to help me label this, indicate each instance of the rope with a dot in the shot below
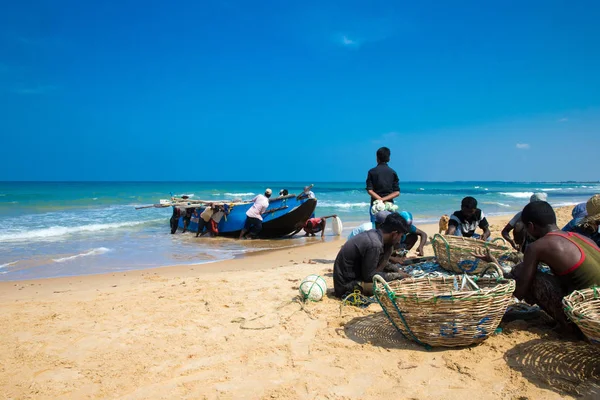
(357, 299)
(243, 321)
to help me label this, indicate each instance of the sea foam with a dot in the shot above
(8, 264)
(56, 231)
(239, 194)
(93, 252)
(518, 195)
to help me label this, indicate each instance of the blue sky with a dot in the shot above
(274, 90)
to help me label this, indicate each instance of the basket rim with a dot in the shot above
(503, 287)
(439, 238)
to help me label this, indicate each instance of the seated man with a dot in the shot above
(313, 226)
(465, 222)
(520, 236)
(579, 213)
(409, 240)
(590, 225)
(367, 226)
(573, 259)
(365, 255)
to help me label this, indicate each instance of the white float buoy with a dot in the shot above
(313, 288)
(336, 226)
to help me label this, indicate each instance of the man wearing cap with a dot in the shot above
(410, 238)
(590, 225)
(521, 240)
(254, 219)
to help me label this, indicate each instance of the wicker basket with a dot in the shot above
(434, 312)
(454, 253)
(583, 308)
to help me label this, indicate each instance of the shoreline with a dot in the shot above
(232, 263)
(241, 262)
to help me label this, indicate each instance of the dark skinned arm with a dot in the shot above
(386, 258)
(486, 233)
(423, 240)
(451, 229)
(525, 272)
(323, 225)
(373, 194)
(506, 235)
(390, 196)
(522, 273)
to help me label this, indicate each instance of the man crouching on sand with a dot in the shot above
(365, 255)
(573, 259)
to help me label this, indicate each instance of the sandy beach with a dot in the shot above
(233, 330)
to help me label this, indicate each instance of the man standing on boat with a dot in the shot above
(254, 219)
(382, 181)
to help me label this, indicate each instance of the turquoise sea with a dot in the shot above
(50, 229)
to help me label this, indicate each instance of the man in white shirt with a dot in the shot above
(254, 219)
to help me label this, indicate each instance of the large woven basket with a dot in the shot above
(454, 253)
(435, 312)
(583, 308)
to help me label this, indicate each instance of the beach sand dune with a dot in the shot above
(196, 332)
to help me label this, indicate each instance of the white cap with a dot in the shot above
(268, 191)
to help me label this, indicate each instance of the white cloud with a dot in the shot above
(523, 146)
(563, 120)
(347, 41)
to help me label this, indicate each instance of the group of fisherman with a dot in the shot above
(572, 254)
(208, 220)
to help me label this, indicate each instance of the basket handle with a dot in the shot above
(499, 239)
(438, 236)
(494, 266)
(383, 282)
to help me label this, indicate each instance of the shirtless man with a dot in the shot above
(574, 260)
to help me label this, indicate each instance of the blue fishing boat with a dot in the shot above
(283, 216)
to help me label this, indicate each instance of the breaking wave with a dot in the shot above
(239, 194)
(8, 264)
(93, 252)
(518, 195)
(56, 231)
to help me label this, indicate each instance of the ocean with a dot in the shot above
(52, 229)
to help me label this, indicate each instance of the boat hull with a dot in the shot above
(282, 217)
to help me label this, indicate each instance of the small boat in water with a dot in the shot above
(283, 216)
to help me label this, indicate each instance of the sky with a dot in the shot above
(299, 90)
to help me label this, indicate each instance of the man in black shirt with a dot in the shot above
(465, 222)
(365, 255)
(382, 181)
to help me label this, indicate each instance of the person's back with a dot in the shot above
(366, 247)
(261, 203)
(382, 181)
(573, 258)
(365, 255)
